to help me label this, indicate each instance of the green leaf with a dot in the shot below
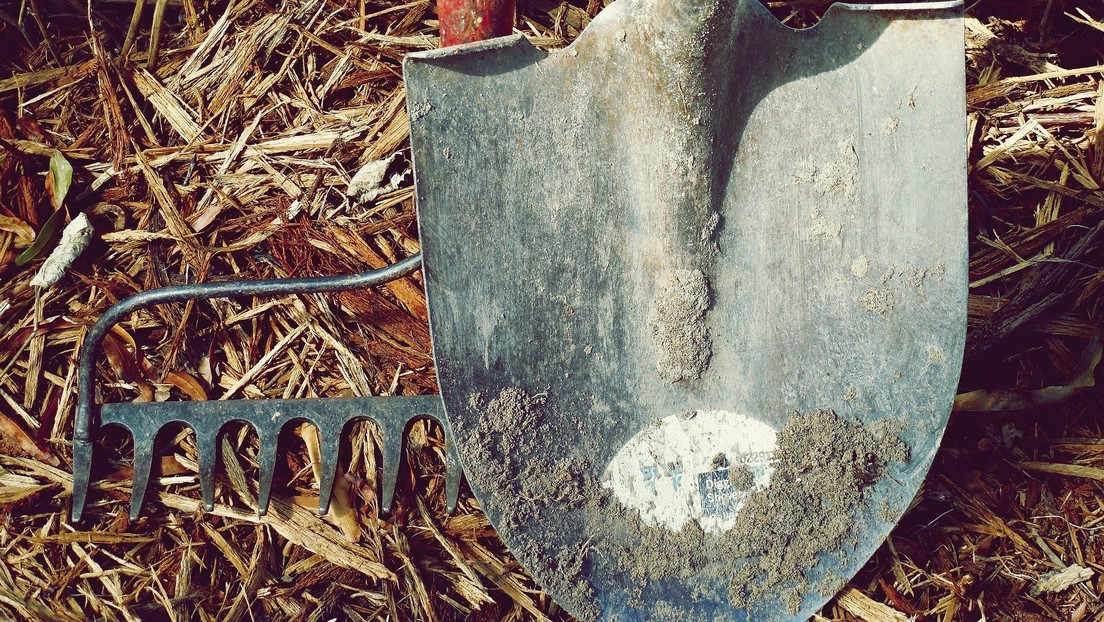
(59, 179)
(45, 235)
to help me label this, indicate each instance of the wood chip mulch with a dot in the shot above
(215, 140)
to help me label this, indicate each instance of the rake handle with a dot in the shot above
(467, 21)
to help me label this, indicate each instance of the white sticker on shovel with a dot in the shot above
(698, 465)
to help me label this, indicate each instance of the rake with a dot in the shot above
(393, 415)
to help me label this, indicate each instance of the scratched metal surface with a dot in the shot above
(816, 179)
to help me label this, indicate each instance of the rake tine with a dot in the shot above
(266, 462)
(207, 456)
(329, 443)
(139, 481)
(453, 472)
(391, 454)
(82, 470)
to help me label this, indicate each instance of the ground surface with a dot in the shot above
(221, 141)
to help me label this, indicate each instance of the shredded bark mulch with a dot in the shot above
(216, 140)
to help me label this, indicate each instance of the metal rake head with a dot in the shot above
(393, 415)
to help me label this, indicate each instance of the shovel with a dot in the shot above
(697, 291)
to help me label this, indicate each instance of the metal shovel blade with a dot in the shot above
(697, 291)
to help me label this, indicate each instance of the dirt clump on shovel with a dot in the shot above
(677, 323)
(741, 477)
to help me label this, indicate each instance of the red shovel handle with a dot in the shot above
(465, 21)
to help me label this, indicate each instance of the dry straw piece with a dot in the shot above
(215, 140)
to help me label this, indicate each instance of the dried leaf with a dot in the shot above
(122, 333)
(32, 129)
(14, 440)
(1084, 378)
(126, 368)
(188, 384)
(24, 233)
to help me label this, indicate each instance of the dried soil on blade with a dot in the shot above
(507, 454)
(823, 468)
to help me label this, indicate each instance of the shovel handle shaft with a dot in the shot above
(465, 21)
